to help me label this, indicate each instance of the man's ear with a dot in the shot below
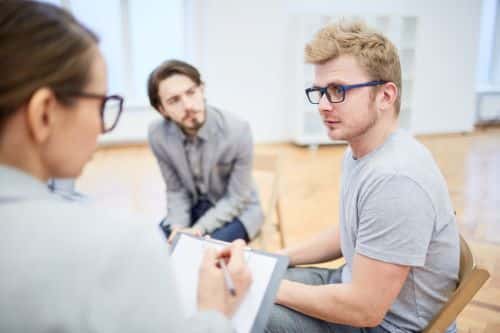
(40, 114)
(162, 111)
(389, 95)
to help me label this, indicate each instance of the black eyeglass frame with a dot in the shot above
(104, 99)
(344, 87)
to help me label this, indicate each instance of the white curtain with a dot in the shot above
(136, 35)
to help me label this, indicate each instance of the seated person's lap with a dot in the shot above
(231, 231)
(283, 319)
(228, 232)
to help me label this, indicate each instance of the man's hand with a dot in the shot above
(177, 228)
(213, 294)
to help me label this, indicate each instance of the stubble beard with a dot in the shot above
(361, 132)
(196, 124)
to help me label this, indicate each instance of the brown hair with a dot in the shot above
(166, 70)
(376, 54)
(42, 46)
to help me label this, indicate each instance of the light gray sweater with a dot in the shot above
(71, 267)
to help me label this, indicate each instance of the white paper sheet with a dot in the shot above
(186, 260)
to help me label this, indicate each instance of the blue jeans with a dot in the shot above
(283, 319)
(228, 232)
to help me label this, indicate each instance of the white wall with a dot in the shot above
(243, 51)
(243, 62)
(244, 58)
(446, 59)
(132, 127)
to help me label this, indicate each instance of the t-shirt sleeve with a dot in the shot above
(396, 221)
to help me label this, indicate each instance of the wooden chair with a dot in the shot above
(267, 175)
(470, 279)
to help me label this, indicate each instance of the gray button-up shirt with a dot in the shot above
(193, 147)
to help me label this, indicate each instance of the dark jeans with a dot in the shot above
(228, 232)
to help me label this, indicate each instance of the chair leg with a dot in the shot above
(279, 225)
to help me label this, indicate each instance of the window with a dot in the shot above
(136, 35)
(488, 72)
(495, 66)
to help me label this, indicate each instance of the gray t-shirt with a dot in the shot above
(395, 208)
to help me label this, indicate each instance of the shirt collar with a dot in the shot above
(204, 132)
(17, 184)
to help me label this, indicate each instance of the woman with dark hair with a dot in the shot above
(67, 266)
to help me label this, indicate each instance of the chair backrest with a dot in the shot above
(266, 173)
(470, 279)
(266, 169)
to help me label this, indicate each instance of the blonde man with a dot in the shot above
(397, 229)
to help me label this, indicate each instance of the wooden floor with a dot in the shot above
(129, 177)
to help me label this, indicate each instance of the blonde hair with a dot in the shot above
(376, 54)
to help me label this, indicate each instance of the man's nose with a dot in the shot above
(188, 102)
(324, 104)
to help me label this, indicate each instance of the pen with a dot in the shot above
(227, 278)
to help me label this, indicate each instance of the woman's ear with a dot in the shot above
(40, 114)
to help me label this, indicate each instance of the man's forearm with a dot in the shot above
(338, 303)
(321, 248)
(209, 221)
(224, 211)
(178, 207)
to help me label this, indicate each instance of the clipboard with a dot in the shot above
(267, 270)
